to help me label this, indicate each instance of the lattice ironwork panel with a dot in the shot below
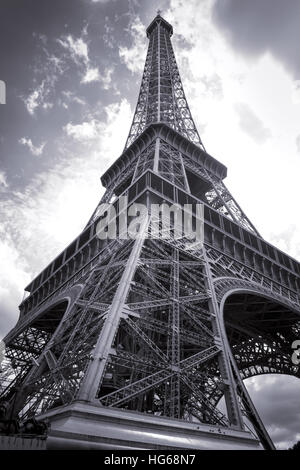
(161, 97)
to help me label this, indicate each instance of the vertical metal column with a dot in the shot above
(158, 72)
(156, 155)
(175, 340)
(98, 362)
(230, 392)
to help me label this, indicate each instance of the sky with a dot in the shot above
(72, 70)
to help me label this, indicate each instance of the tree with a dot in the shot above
(295, 446)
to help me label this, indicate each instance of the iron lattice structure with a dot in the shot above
(161, 97)
(155, 328)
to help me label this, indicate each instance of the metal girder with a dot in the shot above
(220, 199)
(141, 386)
(141, 336)
(185, 335)
(161, 97)
(198, 397)
(252, 413)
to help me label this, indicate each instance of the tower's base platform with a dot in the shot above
(91, 427)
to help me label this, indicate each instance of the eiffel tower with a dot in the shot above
(132, 343)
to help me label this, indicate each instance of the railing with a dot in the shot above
(284, 278)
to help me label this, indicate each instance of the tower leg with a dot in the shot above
(97, 365)
(230, 391)
(251, 411)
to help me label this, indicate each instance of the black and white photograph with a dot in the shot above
(149, 228)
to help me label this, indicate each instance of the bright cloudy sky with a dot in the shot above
(72, 70)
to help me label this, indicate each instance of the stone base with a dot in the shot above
(91, 426)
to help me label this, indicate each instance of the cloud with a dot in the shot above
(287, 239)
(134, 57)
(251, 124)
(213, 85)
(39, 221)
(298, 143)
(38, 98)
(89, 131)
(201, 51)
(276, 398)
(82, 132)
(109, 36)
(259, 26)
(77, 48)
(56, 63)
(12, 281)
(106, 77)
(72, 98)
(3, 182)
(50, 67)
(91, 75)
(79, 53)
(296, 92)
(35, 150)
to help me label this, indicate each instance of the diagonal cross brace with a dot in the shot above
(146, 340)
(141, 386)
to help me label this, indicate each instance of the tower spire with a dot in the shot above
(162, 98)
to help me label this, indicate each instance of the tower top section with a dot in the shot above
(161, 98)
(158, 20)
